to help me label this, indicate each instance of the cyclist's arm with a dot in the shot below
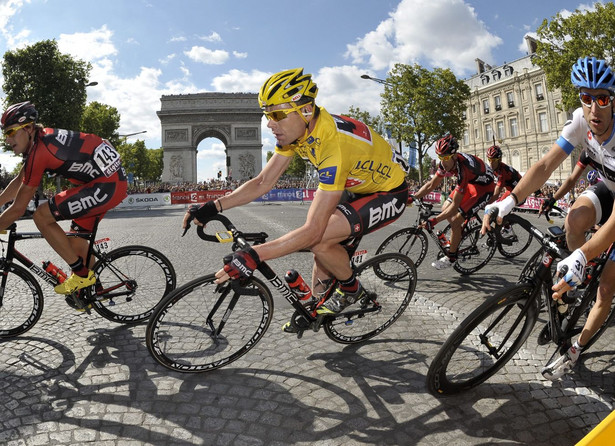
(10, 191)
(429, 186)
(569, 183)
(452, 209)
(317, 222)
(18, 207)
(496, 193)
(259, 185)
(539, 173)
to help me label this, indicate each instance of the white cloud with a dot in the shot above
(240, 81)
(207, 56)
(239, 55)
(7, 10)
(80, 45)
(178, 39)
(446, 33)
(213, 37)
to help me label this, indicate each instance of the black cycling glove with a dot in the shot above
(204, 213)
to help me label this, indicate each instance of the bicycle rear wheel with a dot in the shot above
(131, 280)
(21, 304)
(411, 242)
(203, 326)
(474, 252)
(390, 281)
(484, 342)
(515, 240)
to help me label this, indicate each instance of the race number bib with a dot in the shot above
(107, 159)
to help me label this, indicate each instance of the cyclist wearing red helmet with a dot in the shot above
(475, 186)
(590, 127)
(507, 176)
(88, 161)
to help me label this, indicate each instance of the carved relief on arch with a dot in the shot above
(246, 165)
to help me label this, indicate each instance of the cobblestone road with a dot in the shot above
(79, 379)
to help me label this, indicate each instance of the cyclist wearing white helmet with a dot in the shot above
(591, 127)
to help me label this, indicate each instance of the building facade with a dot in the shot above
(512, 106)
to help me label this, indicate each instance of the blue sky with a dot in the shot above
(143, 49)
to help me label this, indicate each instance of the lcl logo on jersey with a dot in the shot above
(327, 175)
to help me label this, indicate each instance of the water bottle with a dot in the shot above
(442, 239)
(54, 271)
(298, 286)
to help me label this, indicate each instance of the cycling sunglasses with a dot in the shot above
(10, 132)
(278, 115)
(445, 157)
(601, 101)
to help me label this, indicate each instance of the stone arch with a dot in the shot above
(187, 119)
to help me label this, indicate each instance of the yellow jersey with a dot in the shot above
(349, 155)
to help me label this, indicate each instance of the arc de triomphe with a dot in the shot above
(187, 119)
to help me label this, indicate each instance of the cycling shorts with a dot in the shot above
(475, 198)
(602, 199)
(367, 213)
(86, 203)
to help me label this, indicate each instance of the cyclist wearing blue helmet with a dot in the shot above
(591, 127)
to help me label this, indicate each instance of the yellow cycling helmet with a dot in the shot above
(287, 86)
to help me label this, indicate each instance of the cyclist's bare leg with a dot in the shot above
(330, 258)
(600, 310)
(54, 234)
(581, 217)
(456, 223)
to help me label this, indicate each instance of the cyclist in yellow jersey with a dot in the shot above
(349, 156)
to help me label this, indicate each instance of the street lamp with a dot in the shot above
(91, 84)
(132, 134)
(375, 79)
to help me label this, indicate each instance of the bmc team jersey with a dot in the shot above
(349, 156)
(79, 157)
(600, 156)
(507, 176)
(469, 170)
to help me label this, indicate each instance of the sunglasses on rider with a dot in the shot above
(278, 115)
(601, 101)
(445, 157)
(8, 133)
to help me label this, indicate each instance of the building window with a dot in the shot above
(501, 132)
(542, 122)
(498, 103)
(514, 127)
(539, 92)
(486, 106)
(516, 160)
(476, 135)
(473, 108)
(466, 138)
(488, 132)
(510, 97)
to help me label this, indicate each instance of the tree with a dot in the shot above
(102, 120)
(365, 117)
(565, 39)
(154, 165)
(52, 81)
(296, 168)
(421, 106)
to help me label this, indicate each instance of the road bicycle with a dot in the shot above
(203, 326)
(131, 280)
(510, 240)
(491, 335)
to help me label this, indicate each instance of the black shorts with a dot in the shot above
(367, 213)
(602, 199)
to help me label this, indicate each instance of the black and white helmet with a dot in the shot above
(20, 113)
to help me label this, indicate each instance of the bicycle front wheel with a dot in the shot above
(514, 240)
(131, 280)
(411, 242)
(21, 301)
(484, 342)
(474, 252)
(389, 280)
(203, 326)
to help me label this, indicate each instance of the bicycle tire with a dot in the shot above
(464, 361)
(387, 297)
(411, 242)
(180, 338)
(22, 302)
(151, 277)
(473, 252)
(520, 238)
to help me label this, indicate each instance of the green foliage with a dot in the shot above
(142, 163)
(52, 81)
(297, 166)
(154, 165)
(365, 117)
(421, 106)
(565, 39)
(102, 120)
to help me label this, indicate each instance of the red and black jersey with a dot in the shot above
(469, 169)
(508, 176)
(78, 157)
